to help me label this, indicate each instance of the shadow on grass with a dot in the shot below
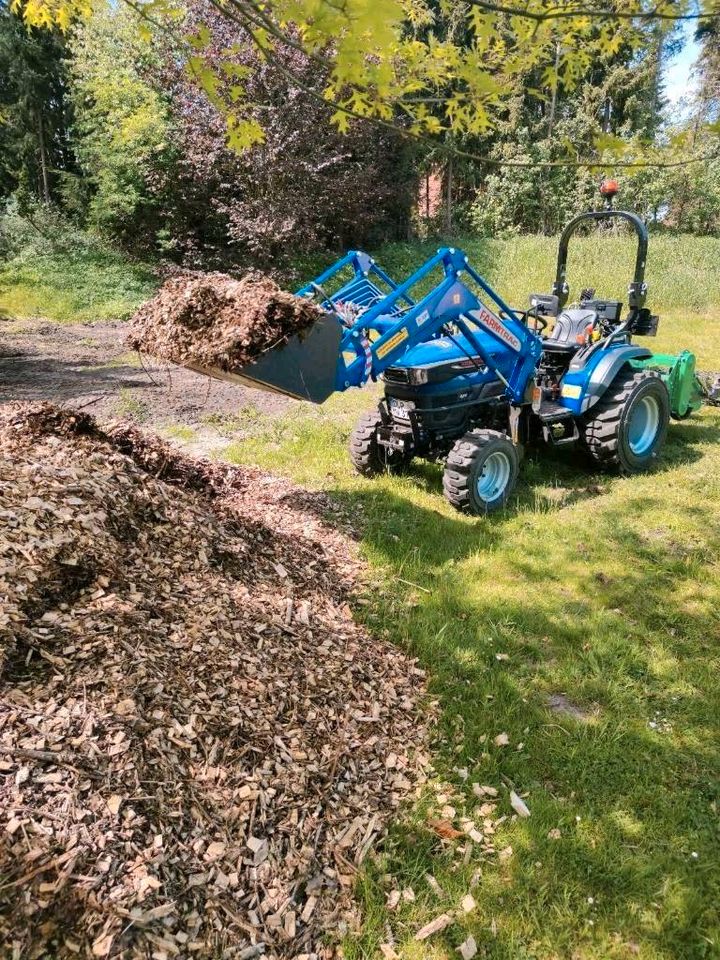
(624, 623)
(572, 473)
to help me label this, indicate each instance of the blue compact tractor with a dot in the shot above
(471, 381)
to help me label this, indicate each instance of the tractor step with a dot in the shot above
(558, 424)
(552, 410)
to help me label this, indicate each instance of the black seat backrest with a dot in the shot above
(569, 326)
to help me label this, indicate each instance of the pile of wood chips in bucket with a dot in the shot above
(198, 746)
(212, 320)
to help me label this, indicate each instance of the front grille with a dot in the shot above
(397, 375)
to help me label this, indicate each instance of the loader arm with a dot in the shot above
(370, 322)
(386, 331)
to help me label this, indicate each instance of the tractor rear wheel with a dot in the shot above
(370, 457)
(481, 471)
(628, 425)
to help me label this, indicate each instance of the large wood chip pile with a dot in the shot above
(214, 321)
(198, 746)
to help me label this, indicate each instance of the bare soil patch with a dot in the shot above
(89, 366)
(559, 703)
(198, 746)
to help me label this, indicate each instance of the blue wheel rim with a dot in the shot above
(644, 425)
(493, 480)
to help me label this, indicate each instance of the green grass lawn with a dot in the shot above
(73, 286)
(600, 589)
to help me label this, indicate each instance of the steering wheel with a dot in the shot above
(540, 323)
(527, 315)
(538, 320)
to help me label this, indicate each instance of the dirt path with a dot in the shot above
(88, 365)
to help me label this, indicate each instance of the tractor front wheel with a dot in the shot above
(481, 471)
(628, 425)
(370, 457)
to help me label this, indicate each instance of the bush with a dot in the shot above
(36, 230)
(163, 178)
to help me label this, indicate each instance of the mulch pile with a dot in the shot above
(212, 320)
(198, 746)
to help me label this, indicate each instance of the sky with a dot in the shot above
(678, 82)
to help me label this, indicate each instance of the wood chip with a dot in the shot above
(393, 899)
(482, 792)
(519, 805)
(435, 926)
(181, 757)
(102, 946)
(468, 948)
(444, 829)
(213, 320)
(388, 952)
(468, 903)
(434, 885)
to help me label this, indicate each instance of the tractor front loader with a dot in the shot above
(472, 381)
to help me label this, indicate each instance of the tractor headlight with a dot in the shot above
(419, 375)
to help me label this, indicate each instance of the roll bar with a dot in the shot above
(637, 291)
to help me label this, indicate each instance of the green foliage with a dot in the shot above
(680, 198)
(50, 269)
(122, 125)
(34, 115)
(617, 108)
(379, 61)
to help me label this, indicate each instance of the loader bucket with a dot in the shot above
(304, 366)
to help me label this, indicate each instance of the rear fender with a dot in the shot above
(582, 387)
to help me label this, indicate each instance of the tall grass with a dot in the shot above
(683, 272)
(74, 278)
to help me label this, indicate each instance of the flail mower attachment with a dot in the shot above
(678, 372)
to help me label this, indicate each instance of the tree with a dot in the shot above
(617, 105)
(122, 129)
(708, 69)
(376, 65)
(35, 152)
(161, 175)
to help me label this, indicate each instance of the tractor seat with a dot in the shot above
(569, 326)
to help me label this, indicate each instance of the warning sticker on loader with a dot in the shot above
(393, 342)
(571, 390)
(495, 325)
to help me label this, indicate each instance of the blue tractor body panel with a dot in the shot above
(585, 382)
(457, 350)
